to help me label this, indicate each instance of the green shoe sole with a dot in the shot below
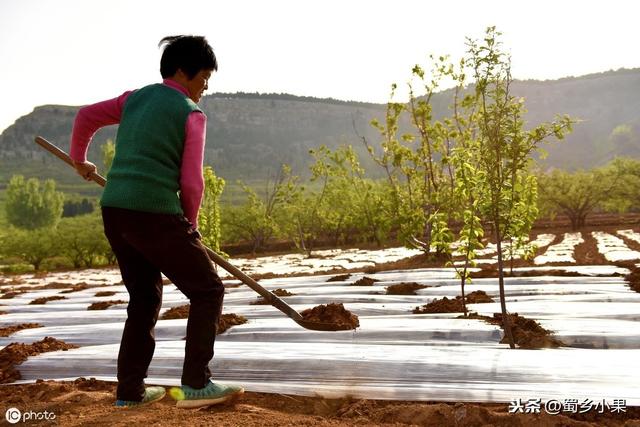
(201, 403)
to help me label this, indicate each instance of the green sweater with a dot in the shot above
(145, 173)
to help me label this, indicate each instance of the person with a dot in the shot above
(150, 214)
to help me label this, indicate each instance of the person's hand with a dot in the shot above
(84, 169)
(196, 233)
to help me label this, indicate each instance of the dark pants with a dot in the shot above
(147, 244)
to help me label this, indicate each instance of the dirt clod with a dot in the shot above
(477, 297)
(105, 294)
(365, 281)
(333, 313)
(103, 305)
(179, 312)
(8, 330)
(339, 278)
(226, 321)
(44, 300)
(527, 333)
(16, 353)
(77, 287)
(405, 288)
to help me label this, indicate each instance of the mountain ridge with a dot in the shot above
(251, 134)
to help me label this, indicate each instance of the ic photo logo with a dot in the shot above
(13, 415)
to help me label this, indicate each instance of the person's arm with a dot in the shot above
(88, 120)
(191, 178)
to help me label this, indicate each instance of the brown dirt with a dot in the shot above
(527, 333)
(90, 402)
(416, 261)
(16, 353)
(103, 305)
(446, 305)
(44, 300)
(226, 321)
(405, 288)
(8, 330)
(492, 272)
(77, 287)
(633, 278)
(339, 278)
(587, 253)
(179, 312)
(477, 297)
(365, 281)
(105, 294)
(56, 285)
(278, 292)
(333, 313)
(11, 294)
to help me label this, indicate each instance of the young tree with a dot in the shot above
(505, 150)
(108, 150)
(30, 204)
(209, 214)
(257, 219)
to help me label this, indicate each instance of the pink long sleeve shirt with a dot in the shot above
(92, 117)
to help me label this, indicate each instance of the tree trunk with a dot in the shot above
(506, 321)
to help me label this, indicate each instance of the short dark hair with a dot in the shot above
(191, 54)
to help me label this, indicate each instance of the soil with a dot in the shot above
(587, 253)
(339, 278)
(278, 292)
(633, 278)
(103, 305)
(365, 281)
(44, 300)
(226, 321)
(179, 312)
(90, 402)
(527, 333)
(446, 305)
(11, 294)
(492, 272)
(16, 353)
(477, 297)
(77, 287)
(8, 330)
(405, 288)
(333, 313)
(105, 294)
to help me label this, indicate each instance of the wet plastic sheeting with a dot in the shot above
(393, 355)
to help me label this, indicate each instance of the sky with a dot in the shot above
(76, 52)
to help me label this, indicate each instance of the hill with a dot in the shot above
(250, 135)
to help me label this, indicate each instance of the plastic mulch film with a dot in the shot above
(394, 354)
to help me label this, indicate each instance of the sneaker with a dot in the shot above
(151, 394)
(211, 394)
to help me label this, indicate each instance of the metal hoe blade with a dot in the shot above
(274, 300)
